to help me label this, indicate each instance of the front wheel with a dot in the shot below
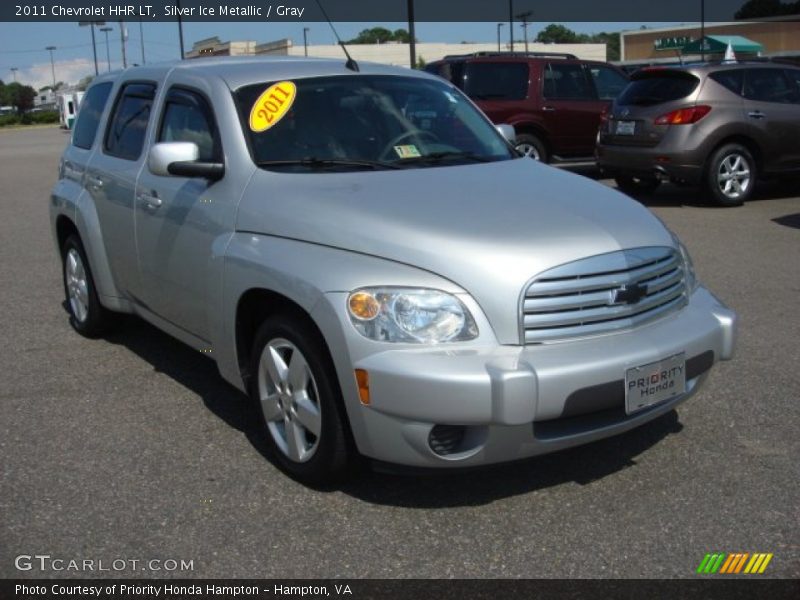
(731, 175)
(295, 385)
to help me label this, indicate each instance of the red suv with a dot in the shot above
(553, 100)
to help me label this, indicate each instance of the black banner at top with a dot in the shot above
(394, 10)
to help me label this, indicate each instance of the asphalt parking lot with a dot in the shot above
(132, 447)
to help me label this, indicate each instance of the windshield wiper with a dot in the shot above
(321, 163)
(437, 157)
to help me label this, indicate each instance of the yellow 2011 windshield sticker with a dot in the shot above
(272, 105)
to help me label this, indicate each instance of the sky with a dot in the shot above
(22, 45)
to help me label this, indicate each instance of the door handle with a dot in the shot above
(94, 182)
(151, 200)
(756, 114)
(548, 109)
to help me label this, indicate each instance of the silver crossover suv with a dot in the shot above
(364, 254)
(721, 126)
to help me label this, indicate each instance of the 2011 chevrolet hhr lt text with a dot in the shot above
(364, 254)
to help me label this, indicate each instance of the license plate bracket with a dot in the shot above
(653, 383)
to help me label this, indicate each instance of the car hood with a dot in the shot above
(489, 227)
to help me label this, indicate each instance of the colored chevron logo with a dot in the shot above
(737, 562)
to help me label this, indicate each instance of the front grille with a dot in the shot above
(577, 299)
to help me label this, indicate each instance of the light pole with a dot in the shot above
(511, 23)
(108, 52)
(123, 36)
(141, 39)
(52, 66)
(92, 25)
(702, 30)
(305, 40)
(14, 73)
(412, 41)
(180, 27)
(524, 18)
(499, 25)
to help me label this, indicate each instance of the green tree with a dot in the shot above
(421, 63)
(84, 83)
(557, 34)
(381, 35)
(20, 96)
(755, 9)
(611, 40)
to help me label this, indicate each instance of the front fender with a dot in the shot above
(305, 273)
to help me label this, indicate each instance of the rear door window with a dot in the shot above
(565, 81)
(92, 107)
(733, 80)
(496, 81)
(657, 87)
(769, 85)
(128, 124)
(608, 82)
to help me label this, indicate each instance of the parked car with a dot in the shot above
(721, 126)
(553, 100)
(365, 255)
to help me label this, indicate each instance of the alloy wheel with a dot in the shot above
(290, 400)
(733, 176)
(77, 285)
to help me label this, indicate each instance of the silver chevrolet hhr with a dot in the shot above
(364, 254)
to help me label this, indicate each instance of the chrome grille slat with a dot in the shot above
(575, 300)
(609, 281)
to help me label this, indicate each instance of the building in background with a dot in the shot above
(778, 37)
(214, 47)
(390, 53)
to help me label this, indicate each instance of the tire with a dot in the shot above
(86, 315)
(633, 185)
(731, 175)
(295, 386)
(529, 145)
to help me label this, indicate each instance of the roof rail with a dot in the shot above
(565, 55)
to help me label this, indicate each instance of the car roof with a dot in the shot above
(706, 68)
(238, 71)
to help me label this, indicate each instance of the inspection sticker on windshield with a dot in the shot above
(409, 151)
(272, 105)
(655, 382)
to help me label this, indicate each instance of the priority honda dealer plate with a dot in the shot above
(654, 382)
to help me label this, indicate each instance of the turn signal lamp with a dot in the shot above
(363, 306)
(362, 378)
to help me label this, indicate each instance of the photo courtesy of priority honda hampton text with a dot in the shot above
(366, 255)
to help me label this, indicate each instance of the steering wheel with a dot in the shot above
(385, 153)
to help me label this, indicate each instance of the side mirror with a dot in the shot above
(507, 131)
(180, 159)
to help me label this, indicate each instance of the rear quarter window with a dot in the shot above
(732, 80)
(89, 115)
(652, 88)
(496, 81)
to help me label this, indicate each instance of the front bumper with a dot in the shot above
(514, 402)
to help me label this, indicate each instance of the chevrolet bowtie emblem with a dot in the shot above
(628, 294)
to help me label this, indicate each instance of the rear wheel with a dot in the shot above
(295, 385)
(731, 175)
(631, 184)
(528, 144)
(87, 315)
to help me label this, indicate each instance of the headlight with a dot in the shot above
(688, 266)
(411, 315)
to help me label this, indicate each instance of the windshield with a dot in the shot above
(365, 122)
